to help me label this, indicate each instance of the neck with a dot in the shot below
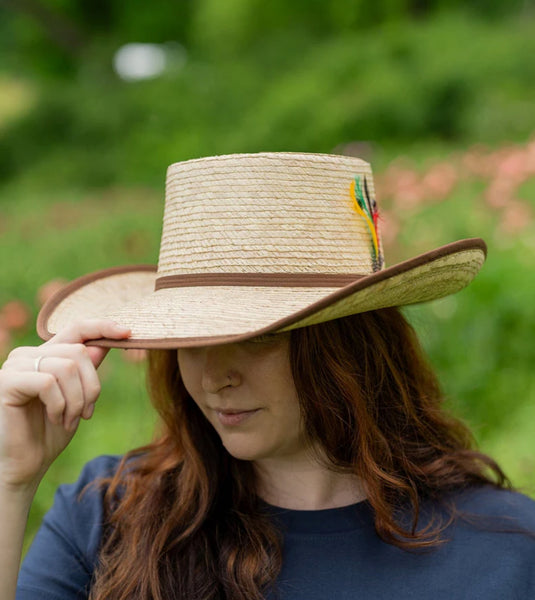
(306, 484)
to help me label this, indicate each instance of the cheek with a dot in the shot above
(189, 372)
(293, 417)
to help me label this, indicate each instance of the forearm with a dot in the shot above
(14, 507)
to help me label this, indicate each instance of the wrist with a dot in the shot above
(23, 492)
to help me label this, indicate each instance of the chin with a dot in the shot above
(245, 451)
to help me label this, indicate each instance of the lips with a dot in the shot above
(232, 418)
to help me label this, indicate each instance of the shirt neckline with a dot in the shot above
(328, 520)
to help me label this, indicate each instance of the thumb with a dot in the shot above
(97, 355)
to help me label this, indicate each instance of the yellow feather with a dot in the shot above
(363, 214)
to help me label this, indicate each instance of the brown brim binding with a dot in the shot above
(432, 275)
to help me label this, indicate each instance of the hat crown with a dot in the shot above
(267, 213)
(260, 243)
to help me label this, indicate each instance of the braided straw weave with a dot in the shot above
(254, 243)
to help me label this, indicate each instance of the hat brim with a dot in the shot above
(210, 315)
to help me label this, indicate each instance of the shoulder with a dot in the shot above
(86, 488)
(502, 505)
(494, 534)
(498, 526)
(79, 506)
(101, 466)
(63, 554)
(97, 468)
(488, 544)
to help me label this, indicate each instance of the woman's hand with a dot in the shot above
(40, 409)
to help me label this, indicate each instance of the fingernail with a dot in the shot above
(75, 423)
(122, 330)
(88, 412)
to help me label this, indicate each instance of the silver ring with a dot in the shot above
(37, 363)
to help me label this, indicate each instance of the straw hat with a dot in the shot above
(257, 243)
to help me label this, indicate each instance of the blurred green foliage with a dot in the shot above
(298, 86)
(83, 156)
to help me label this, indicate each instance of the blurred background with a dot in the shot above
(97, 97)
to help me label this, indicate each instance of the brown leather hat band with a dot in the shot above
(328, 280)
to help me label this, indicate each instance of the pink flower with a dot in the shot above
(530, 158)
(407, 190)
(5, 342)
(47, 290)
(514, 164)
(516, 217)
(500, 192)
(440, 180)
(14, 315)
(476, 162)
(388, 228)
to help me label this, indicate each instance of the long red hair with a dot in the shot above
(183, 518)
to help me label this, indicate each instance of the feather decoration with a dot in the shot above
(373, 206)
(366, 207)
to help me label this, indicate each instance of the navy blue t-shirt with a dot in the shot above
(327, 554)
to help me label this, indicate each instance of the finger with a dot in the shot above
(20, 355)
(90, 329)
(67, 374)
(89, 379)
(72, 366)
(97, 355)
(24, 358)
(19, 389)
(94, 354)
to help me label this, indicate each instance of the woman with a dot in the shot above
(303, 451)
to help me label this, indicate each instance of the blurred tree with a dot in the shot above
(52, 37)
(213, 27)
(56, 25)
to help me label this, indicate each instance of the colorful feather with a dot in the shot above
(373, 205)
(366, 207)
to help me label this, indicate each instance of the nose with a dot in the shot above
(219, 368)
